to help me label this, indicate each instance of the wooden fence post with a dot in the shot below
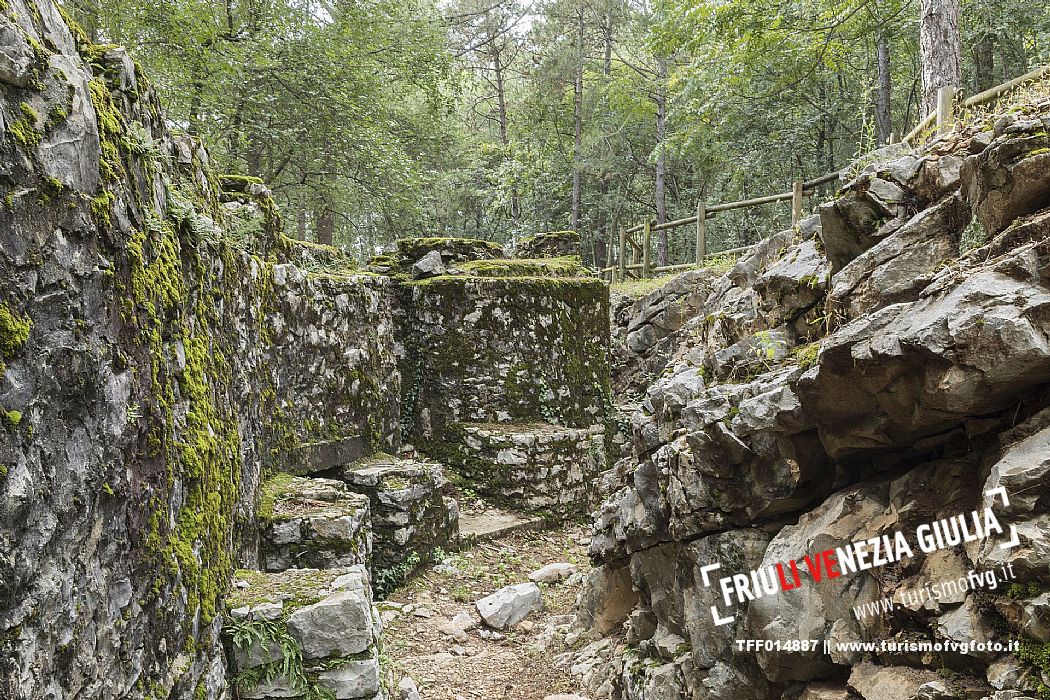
(945, 108)
(796, 201)
(701, 232)
(646, 246)
(623, 253)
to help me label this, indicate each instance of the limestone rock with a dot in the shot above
(552, 573)
(554, 244)
(407, 689)
(897, 268)
(430, 265)
(314, 523)
(510, 605)
(606, 600)
(537, 467)
(826, 691)
(16, 56)
(1005, 180)
(412, 509)
(352, 679)
(889, 682)
(340, 624)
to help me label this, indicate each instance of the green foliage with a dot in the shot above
(1037, 655)
(386, 581)
(807, 355)
(12, 418)
(288, 665)
(373, 121)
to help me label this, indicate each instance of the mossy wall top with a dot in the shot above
(502, 349)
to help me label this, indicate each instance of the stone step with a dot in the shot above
(312, 523)
(492, 524)
(535, 468)
(412, 510)
(303, 627)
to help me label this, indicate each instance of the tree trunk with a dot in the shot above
(661, 162)
(984, 61)
(300, 218)
(939, 49)
(883, 118)
(603, 209)
(577, 119)
(504, 126)
(325, 223)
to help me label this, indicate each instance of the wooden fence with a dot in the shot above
(640, 251)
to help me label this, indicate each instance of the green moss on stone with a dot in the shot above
(14, 331)
(110, 128)
(25, 129)
(569, 266)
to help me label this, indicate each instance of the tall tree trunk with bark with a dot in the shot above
(939, 49)
(324, 222)
(883, 118)
(984, 61)
(661, 161)
(577, 118)
(504, 125)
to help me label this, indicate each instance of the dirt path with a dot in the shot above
(514, 664)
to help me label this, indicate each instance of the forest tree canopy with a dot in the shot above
(379, 119)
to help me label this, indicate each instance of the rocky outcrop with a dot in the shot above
(870, 373)
(645, 330)
(412, 511)
(313, 524)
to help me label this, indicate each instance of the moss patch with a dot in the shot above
(569, 266)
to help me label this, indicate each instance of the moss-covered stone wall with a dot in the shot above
(502, 349)
(162, 345)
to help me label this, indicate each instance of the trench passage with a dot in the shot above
(476, 663)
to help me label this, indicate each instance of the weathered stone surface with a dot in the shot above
(342, 628)
(429, 265)
(170, 364)
(552, 573)
(510, 605)
(16, 56)
(606, 599)
(340, 625)
(897, 268)
(553, 244)
(1022, 470)
(1006, 180)
(855, 222)
(826, 691)
(533, 468)
(889, 682)
(793, 284)
(412, 510)
(498, 350)
(825, 610)
(965, 349)
(313, 523)
(352, 679)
